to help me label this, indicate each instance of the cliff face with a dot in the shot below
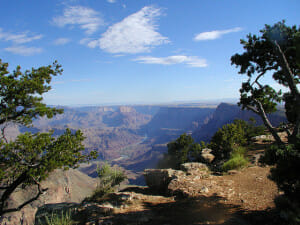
(180, 119)
(63, 186)
(226, 113)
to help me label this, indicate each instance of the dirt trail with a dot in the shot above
(243, 197)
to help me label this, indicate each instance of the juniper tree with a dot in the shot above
(276, 52)
(30, 158)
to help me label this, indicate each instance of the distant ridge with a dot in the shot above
(226, 113)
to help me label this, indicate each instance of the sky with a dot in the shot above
(136, 51)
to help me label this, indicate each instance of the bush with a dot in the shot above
(182, 150)
(55, 219)
(237, 159)
(227, 138)
(286, 175)
(236, 162)
(109, 179)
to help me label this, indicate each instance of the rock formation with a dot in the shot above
(63, 186)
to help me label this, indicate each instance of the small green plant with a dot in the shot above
(237, 159)
(236, 162)
(230, 136)
(183, 149)
(109, 179)
(64, 218)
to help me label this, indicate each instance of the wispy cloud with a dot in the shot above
(19, 38)
(87, 18)
(61, 41)
(111, 1)
(212, 35)
(134, 34)
(191, 61)
(23, 50)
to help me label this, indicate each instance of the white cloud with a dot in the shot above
(134, 34)
(212, 35)
(89, 42)
(61, 41)
(23, 50)
(87, 18)
(20, 38)
(191, 61)
(111, 1)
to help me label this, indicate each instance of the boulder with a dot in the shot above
(63, 187)
(207, 156)
(263, 138)
(195, 168)
(159, 179)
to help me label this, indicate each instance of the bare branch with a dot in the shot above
(4, 126)
(261, 74)
(266, 121)
(288, 72)
(40, 192)
(252, 108)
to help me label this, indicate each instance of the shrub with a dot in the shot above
(182, 150)
(286, 175)
(58, 219)
(227, 138)
(109, 179)
(236, 162)
(237, 159)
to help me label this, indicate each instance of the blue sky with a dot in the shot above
(126, 51)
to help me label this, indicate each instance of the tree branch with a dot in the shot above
(3, 133)
(40, 192)
(21, 179)
(266, 121)
(252, 109)
(288, 72)
(292, 85)
(261, 74)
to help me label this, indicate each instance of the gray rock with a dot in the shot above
(194, 168)
(206, 155)
(159, 179)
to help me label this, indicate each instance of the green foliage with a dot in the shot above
(21, 93)
(30, 158)
(275, 52)
(237, 159)
(65, 218)
(110, 176)
(286, 175)
(232, 135)
(109, 179)
(182, 150)
(287, 166)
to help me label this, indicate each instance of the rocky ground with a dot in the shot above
(192, 196)
(245, 197)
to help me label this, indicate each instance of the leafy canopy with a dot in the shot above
(276, 53)
(182, 150)
(232, 135)
(30, 158)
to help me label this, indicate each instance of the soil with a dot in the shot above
(244, 197)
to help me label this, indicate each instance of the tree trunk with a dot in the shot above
(261, 112)
(292, 86)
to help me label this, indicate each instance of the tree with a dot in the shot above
(275, 52)
(182, 150)
(232, 135)
(30, 158)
